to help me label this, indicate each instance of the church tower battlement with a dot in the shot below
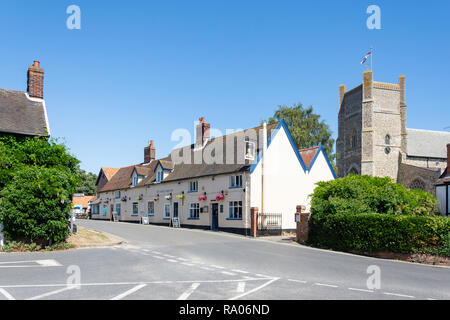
(372, 128)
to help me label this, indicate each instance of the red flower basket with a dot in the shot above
(202, 198)
(220, 197)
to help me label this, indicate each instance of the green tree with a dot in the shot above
(35, 207)
(306, 127)
(87, 184)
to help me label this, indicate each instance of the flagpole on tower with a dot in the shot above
(371, 59)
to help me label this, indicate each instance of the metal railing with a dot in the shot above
(269, 224)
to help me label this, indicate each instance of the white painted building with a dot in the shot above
(218, 181)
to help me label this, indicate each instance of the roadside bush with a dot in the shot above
(366, 194)
(373, 232)
(34, 206)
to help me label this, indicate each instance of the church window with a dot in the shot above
(354, 139)
(387, 139)
(417, 184)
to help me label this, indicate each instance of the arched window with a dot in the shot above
(417, 184)
(354, 139)
(387, 140)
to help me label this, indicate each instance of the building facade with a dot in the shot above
(443, 188)
(373, 138)
(255, 168)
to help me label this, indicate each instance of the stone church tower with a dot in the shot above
(373, 138)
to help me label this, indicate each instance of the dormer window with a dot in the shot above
(160, 176)
(135, 180)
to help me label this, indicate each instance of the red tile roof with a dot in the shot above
(83, 201)
(308, 155)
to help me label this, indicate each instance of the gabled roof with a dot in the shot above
(21, 115)
(122, 179)
(426, 143)
(308, 155)
(108, 172)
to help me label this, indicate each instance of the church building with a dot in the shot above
(373, 138)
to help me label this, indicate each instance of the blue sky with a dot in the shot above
(137, 70)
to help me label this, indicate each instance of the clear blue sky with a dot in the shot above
(137, 70)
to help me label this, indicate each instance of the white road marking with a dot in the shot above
(240, 271)
(325, 285)
(217, 267)
(171, 260)
(228, 273)
(363, 290)
(254, 290)
(32, 264)
(127, 293)
(158, 257)
(6, 294)
(206, 268)
(398, 295)
(51, 293)
(187, 264)
(300, 281)
(182, 259)
(240, 287)
(190, 291)
(168, 256)
(262, 275)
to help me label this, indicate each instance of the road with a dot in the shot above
(168, 264)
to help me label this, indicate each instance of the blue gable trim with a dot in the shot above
(294, 147)
(160, 165)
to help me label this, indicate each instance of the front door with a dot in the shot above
(215, 216)
(112, 212)
(175, 210)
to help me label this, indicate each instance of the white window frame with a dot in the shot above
(148, 211)
(236, 181)
(165, 216)
(194, 210)
(234, 206)
(195, 184)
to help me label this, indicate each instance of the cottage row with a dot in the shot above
(214, 183)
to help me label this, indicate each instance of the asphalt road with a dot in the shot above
(164, 263)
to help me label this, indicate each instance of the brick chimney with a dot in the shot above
(149, 152)
(202, 134)
(36, 81)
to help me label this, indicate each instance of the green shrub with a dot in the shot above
(366, 194)
(373, 232)
(35, 208)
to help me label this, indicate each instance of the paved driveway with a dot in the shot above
(165, 263)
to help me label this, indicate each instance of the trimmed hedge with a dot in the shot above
(373, 232)
(371, 214)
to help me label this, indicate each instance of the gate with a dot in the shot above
(269, 224)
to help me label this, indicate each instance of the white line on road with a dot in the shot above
(158, 257)
(127, 293)
(48, 263)
(217, 267)
(51, 293)
(300, 281)
(6, 294)
(362, 290)
(398, 295)
(187, 264)
(190, 291)
(240, 271)
(182, 259)
(325, 285)
(171, 260)
(32, 264)
(254, 290)
(206, 268)
(240, 287)
(228, 273)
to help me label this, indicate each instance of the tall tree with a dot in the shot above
(87, 184)
(306, 127)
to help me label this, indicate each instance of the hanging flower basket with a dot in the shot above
(220, 197)
(140, 198)
(202, 198)
(124, 198)
(180, 196)
(155, 199)
(168, 197)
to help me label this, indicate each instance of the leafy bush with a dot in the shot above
(366, 194)
(373, 232)
(371, 214)
(35, 208)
